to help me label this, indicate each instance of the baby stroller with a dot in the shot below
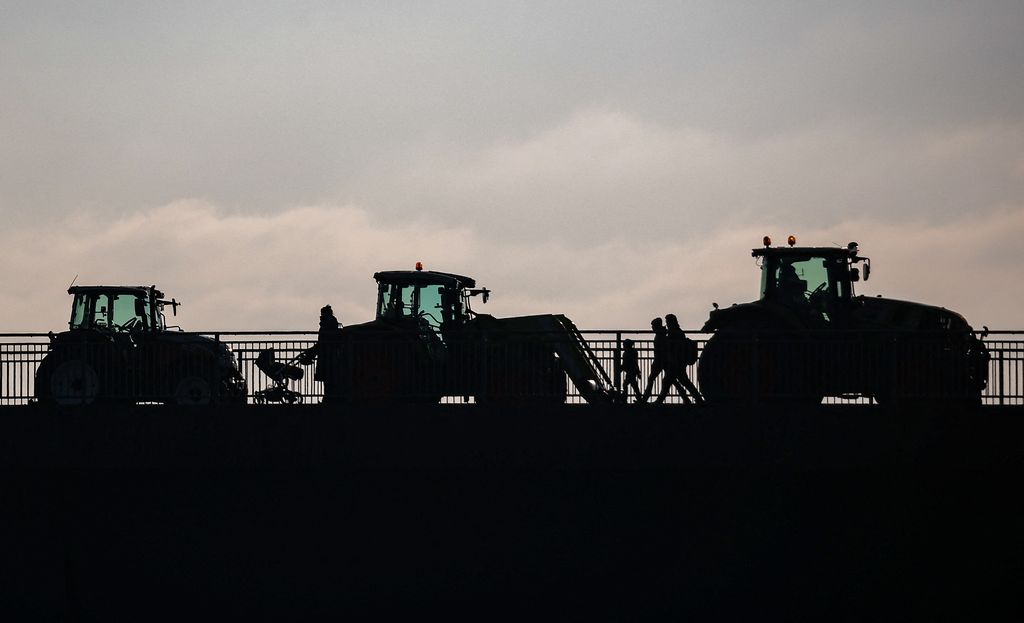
(280, 373)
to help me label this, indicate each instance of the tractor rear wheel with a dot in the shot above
(755, 365)
(726, 373)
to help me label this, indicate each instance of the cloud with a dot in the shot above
(601, 174)
(273, 272)
(233, 271)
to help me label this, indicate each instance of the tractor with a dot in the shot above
(426, 342)
(118, 349)
(809, 336)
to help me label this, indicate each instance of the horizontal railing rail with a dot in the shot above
(834, 367)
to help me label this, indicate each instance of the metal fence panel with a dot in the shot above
(22, 353)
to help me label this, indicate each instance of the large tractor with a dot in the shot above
(809, 336)
(426, 342)
(118, 349)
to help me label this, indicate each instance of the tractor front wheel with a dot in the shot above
(72, 382)
(192, 391)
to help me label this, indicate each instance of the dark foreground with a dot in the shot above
(295, 513)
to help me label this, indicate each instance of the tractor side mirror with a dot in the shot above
(484, 291)
(867, 270)
(854, 275)
(173, 303)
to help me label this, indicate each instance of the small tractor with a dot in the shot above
(809, 336)
(426, 342)
(119, 350)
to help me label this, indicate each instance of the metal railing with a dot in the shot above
(22, 353)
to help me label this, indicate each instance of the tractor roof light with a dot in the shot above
(419, 265)
(791, 241)
(767, 241)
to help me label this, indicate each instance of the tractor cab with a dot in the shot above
(810, 279)
(118, 308)
(426, 298)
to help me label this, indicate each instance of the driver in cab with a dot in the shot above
(790, 288)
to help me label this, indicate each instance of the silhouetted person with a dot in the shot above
(658, 365)
(629, 365)
(790, 287)
(325, 352)
(397, 307)
(678, 354)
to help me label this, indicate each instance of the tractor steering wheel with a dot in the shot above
(817, 298)
(424, 314)
(129, 324)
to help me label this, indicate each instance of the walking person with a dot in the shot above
(681, 351)
(629, 365)
(658, 364)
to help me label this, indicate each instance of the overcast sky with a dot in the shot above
(610, 161)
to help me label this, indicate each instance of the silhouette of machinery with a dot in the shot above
(119, 349)
(426, 342)
(809, 336)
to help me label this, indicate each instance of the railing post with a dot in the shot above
(617, 381)
(1002, 378)
(215, 388)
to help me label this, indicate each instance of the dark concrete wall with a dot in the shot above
(298, 513)
(465, 437)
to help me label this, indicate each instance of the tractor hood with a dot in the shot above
(885, 313)
(749, 313)
(867, 313)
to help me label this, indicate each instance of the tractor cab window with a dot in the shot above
(794, 280)
(80, 312)
(429, 308)
(131, 312)
(395, 301)
(101, 312)
(422, 302)
(120, 312)
(455, 303)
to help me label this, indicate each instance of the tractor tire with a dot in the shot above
(72, 382)
(192, 391)
(233, 392)
(922, 373)
(390, 373)
(726, 373)
(757, 366)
